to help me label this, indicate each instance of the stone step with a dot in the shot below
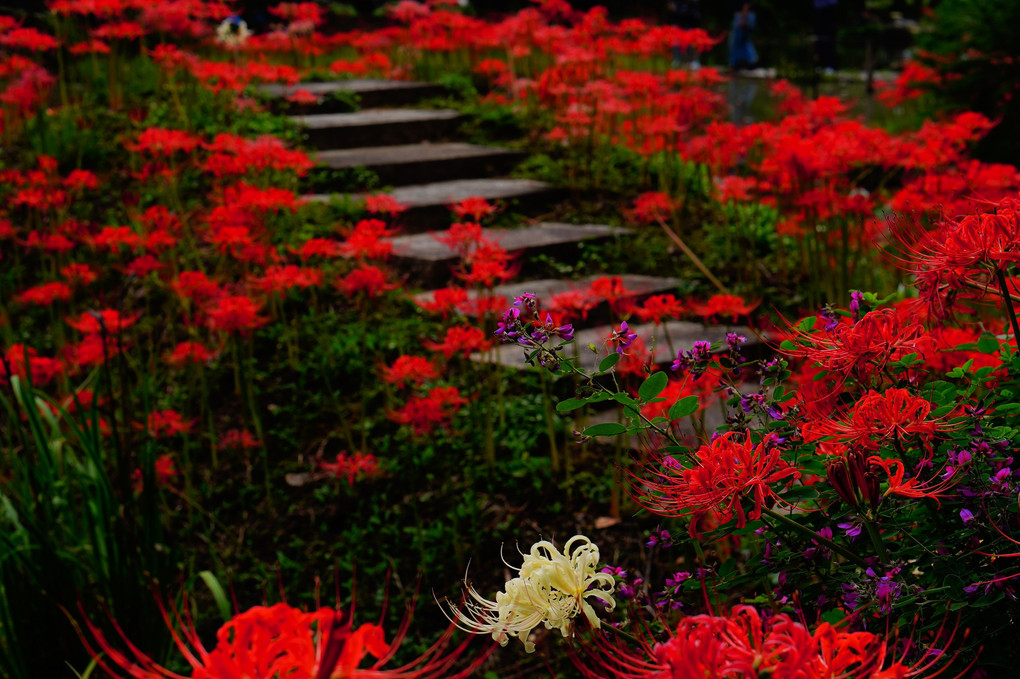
(418, 163)
(637, 285)
(377, 127)
(682, 335)
(427, 262)
(429, 204)
(338, 95)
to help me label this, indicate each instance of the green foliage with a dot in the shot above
(72, 534)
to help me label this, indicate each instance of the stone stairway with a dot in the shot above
(411, 150)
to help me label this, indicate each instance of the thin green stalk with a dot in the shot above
(876, 540)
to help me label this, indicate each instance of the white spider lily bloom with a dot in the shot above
(551, 589)
(232, 33)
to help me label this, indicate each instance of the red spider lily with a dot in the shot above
(261, 199)
(78, 274)
(283, 641)
(107, 320)
(424, 413)
(461, 237)
(318, 247)
(487, 265)
(143, 266)
(657, 308)
(191, 353)
(367, 280)
(960, 255)
(383, 204)
(730, 306)
(113, 238)
(235, 155)
(196, 286)
(573, 303)
(610, 289)
(862, 349)
(94, 349)
(445, 301)
(91, 46)
(653, 207)
(913, 488)
(28, 39)
(368, 241)
(723, 472)
(166, 423)
(409, 370)
(120, 30)
(158, 141)
(744, 643)
(303, 97)
(351, 467)
(280, 279)
(880, 417)
(238, 439)
(21, 360)
(45, 294)
(79, 180)
(165, 473)
(234, 314)
(460, 339)
(475, 207)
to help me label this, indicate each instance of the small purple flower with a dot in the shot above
(623, 337)
(856, 297)
(966, 516)
(660, 537)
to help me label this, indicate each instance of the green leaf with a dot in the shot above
(570, 404)
(807, 324)
(833, 616)
(988, 344)
(688, 405)
(222, 603)
(787, 345)
(653, 386)
(605, 429)
(608, 362)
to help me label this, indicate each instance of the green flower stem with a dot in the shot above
(876, 540)
(793, 525)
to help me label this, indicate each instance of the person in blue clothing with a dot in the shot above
(742, 52)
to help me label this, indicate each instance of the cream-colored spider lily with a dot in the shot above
(551, 588)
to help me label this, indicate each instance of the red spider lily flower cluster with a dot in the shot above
(283, 641)
(746, 644)
(879, 418)
(863, 349)
(424, 413)
(723, 472)
(352, 466)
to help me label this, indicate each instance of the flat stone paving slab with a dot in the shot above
(374, 116)
(370, 156)
(428, 204)
(682, 334)
(449, 193)
(371, 93)
(425, 247)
